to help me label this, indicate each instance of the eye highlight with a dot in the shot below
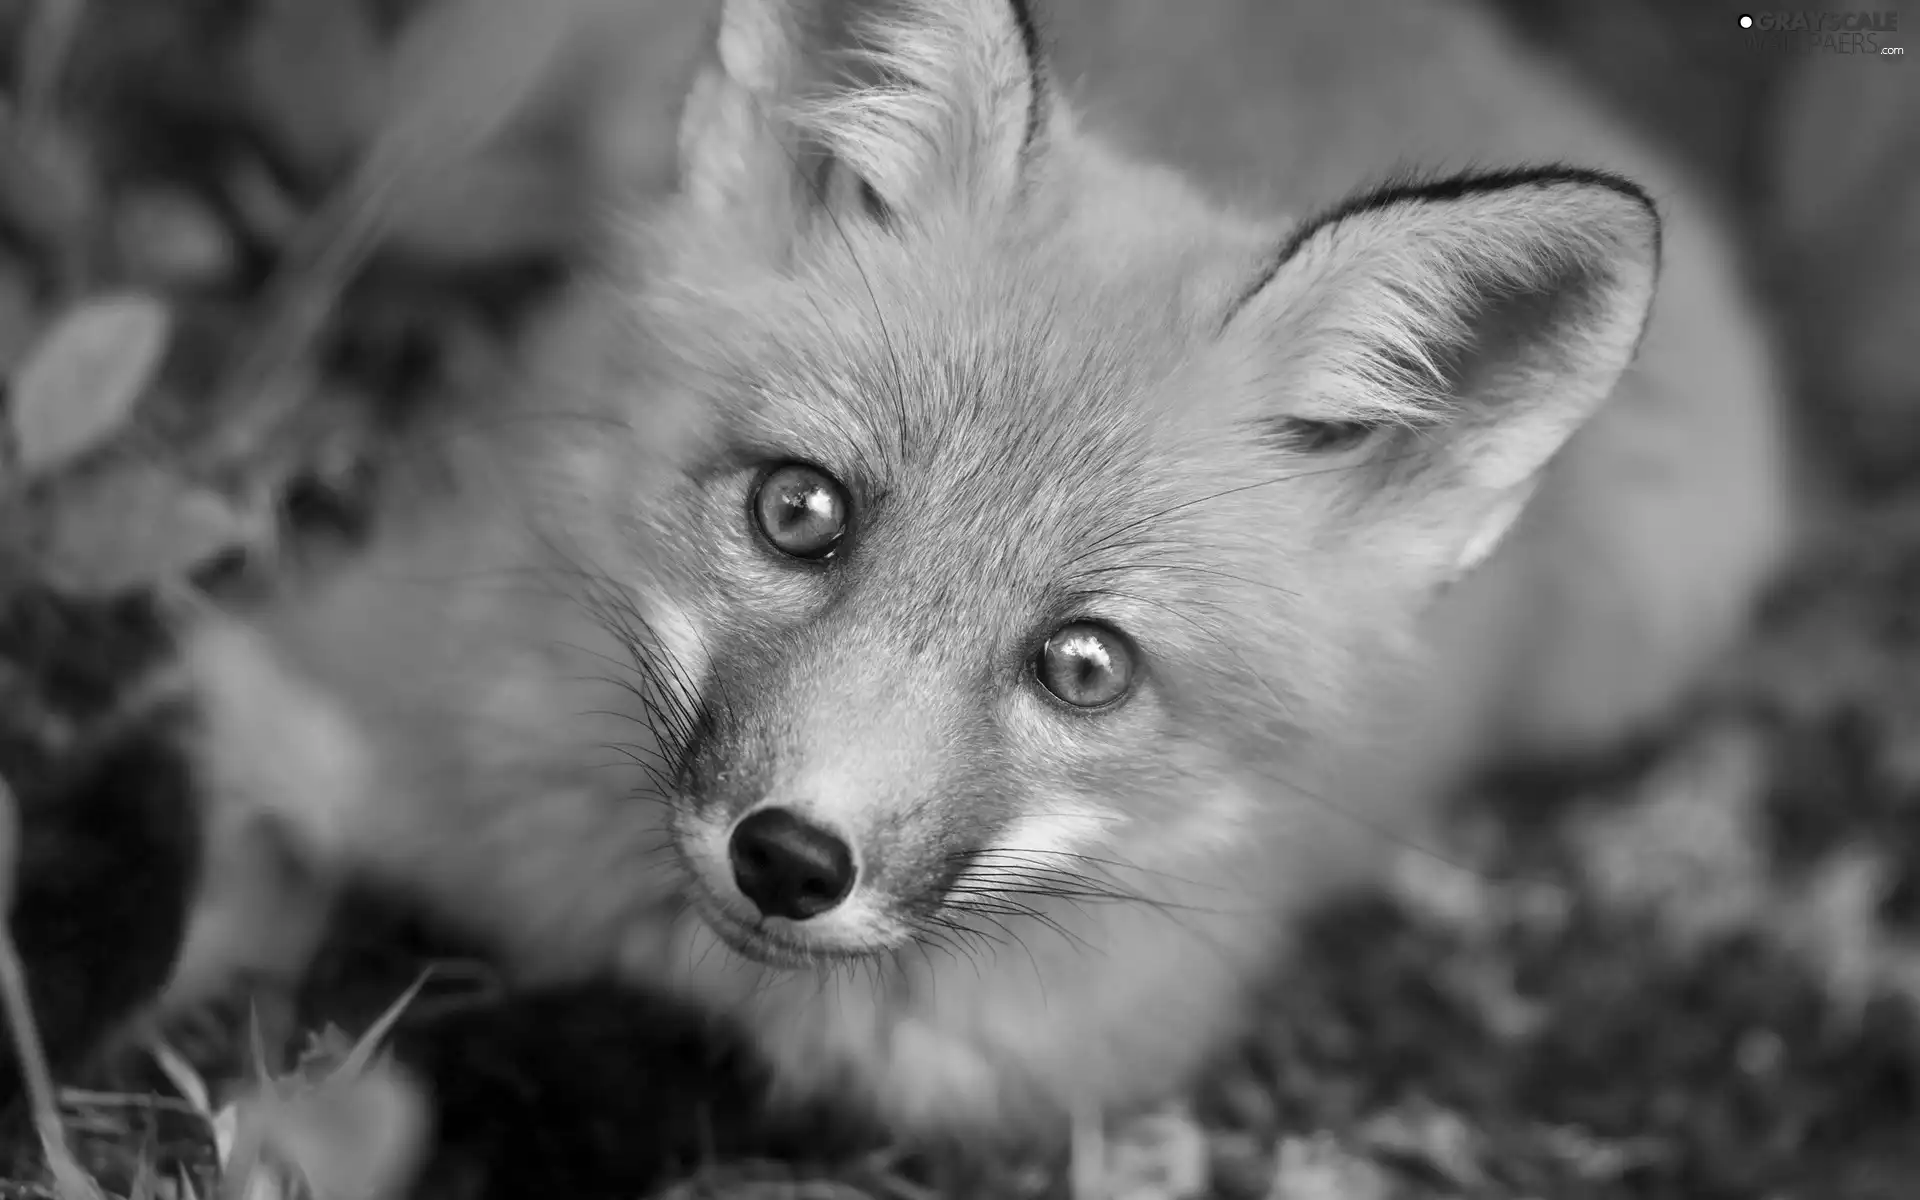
(801, 510)
(1086, 665)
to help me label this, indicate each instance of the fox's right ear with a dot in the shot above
(1435, 344)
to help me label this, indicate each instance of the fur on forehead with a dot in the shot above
(898, 348)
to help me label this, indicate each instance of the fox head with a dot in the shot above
(1034, 522)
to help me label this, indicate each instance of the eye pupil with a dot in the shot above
(801, 510)
(1086, 665)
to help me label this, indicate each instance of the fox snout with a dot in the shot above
(798, 877)
(829, 796)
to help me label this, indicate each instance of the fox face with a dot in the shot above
(1036, 535)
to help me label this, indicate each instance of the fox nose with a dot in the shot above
(789, 867)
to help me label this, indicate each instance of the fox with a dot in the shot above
(1047, 494)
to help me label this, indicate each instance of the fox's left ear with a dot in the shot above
(1436, 345)
(902, 106)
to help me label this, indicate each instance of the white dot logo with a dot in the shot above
(1746, 22)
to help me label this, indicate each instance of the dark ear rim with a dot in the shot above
(1414, 187)
(1039, 85)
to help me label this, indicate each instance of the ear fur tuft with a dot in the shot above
(1462, 328)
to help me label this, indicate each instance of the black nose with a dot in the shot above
(789, 867)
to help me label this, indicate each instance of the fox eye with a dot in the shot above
(801, 510)
(1086, 665)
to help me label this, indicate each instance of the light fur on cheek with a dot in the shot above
(678, 637)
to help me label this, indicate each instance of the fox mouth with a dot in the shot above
(775, 942)
(758, 943)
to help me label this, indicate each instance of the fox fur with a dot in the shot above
(1143, 317)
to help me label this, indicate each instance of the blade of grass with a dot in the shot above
(71, 1181)
(184, 1078)
(461, 74)
(369, 1043)
(43, 56)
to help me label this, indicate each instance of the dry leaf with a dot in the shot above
(238, 1138)
(464, 70)
(1318, 1168)
(49, 188)
(167, 235)
(19, 315)
(1440, 1139)
(139, 525)
(362, 1135)
(79, 382)
(1158, 1157)
(261, 206)
(316, 73)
